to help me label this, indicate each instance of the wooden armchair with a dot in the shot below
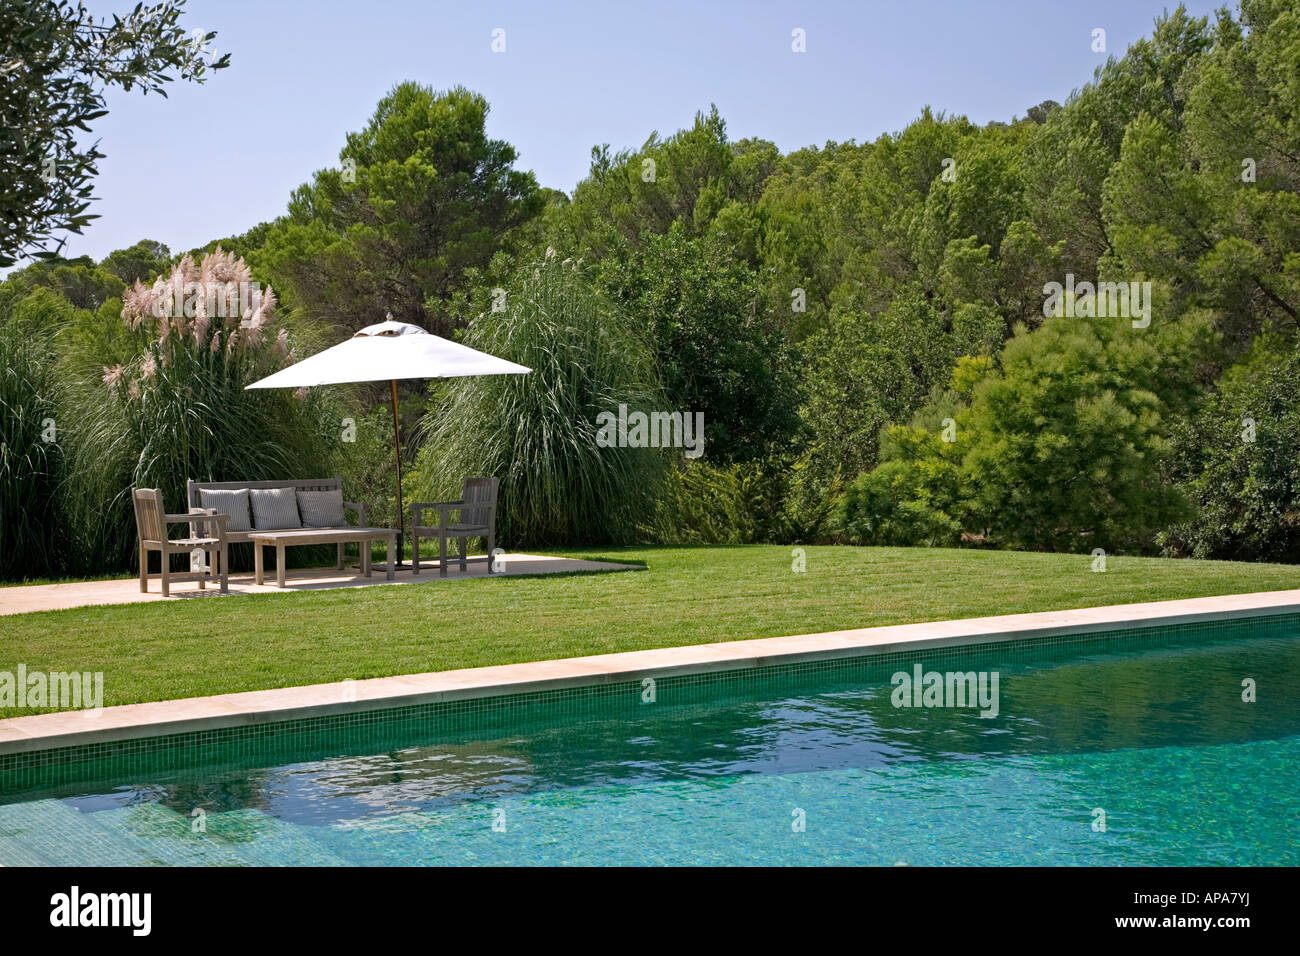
(151, 523)
(478, 519)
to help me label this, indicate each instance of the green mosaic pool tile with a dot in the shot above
(492, 717)
(15, 853)
(16, 846)
(66, 835)
(168, 836)
(278, 843)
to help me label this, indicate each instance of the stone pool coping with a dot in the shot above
(132, 721)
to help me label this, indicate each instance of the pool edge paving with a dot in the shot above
(77, 729)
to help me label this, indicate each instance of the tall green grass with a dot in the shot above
(31, 460)
(537, 432)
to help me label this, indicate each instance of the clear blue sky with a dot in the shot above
(213, 160)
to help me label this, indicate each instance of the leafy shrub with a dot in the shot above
(701, 503)
(890, 506)
(717, 349)
(1062, 448)
(1067, 443)
(867, 372)
(753, 502)
(1236, 462)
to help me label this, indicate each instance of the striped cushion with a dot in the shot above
(321, 509)
(274, 509)
(233, 502)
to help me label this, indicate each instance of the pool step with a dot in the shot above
(16, 841)
(58, 834)
(275, 842)
(246, 837)
(168, 836)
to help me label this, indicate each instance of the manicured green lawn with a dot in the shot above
(189, 648)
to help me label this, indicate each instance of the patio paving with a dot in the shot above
(53, 597)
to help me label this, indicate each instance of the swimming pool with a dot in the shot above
(806, 764)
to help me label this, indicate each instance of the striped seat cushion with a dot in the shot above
(321, 509)
(233, 502)
(274, 509)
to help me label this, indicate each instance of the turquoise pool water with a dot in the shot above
(720, 771)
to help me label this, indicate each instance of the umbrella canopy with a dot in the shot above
(390, 351)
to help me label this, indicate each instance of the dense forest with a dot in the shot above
(1067, 331)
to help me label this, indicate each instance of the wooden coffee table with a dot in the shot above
(295, 537)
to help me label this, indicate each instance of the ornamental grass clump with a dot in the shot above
(177, 409)
(31, 461)
(538, 432)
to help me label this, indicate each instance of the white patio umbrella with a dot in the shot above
(390, 351)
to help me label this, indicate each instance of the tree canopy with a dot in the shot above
(56, 61)
(421, 196)
(1069, 330)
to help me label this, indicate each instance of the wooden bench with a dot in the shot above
(302, 536)
(192, 489)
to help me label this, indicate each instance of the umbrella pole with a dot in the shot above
(397, 460)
